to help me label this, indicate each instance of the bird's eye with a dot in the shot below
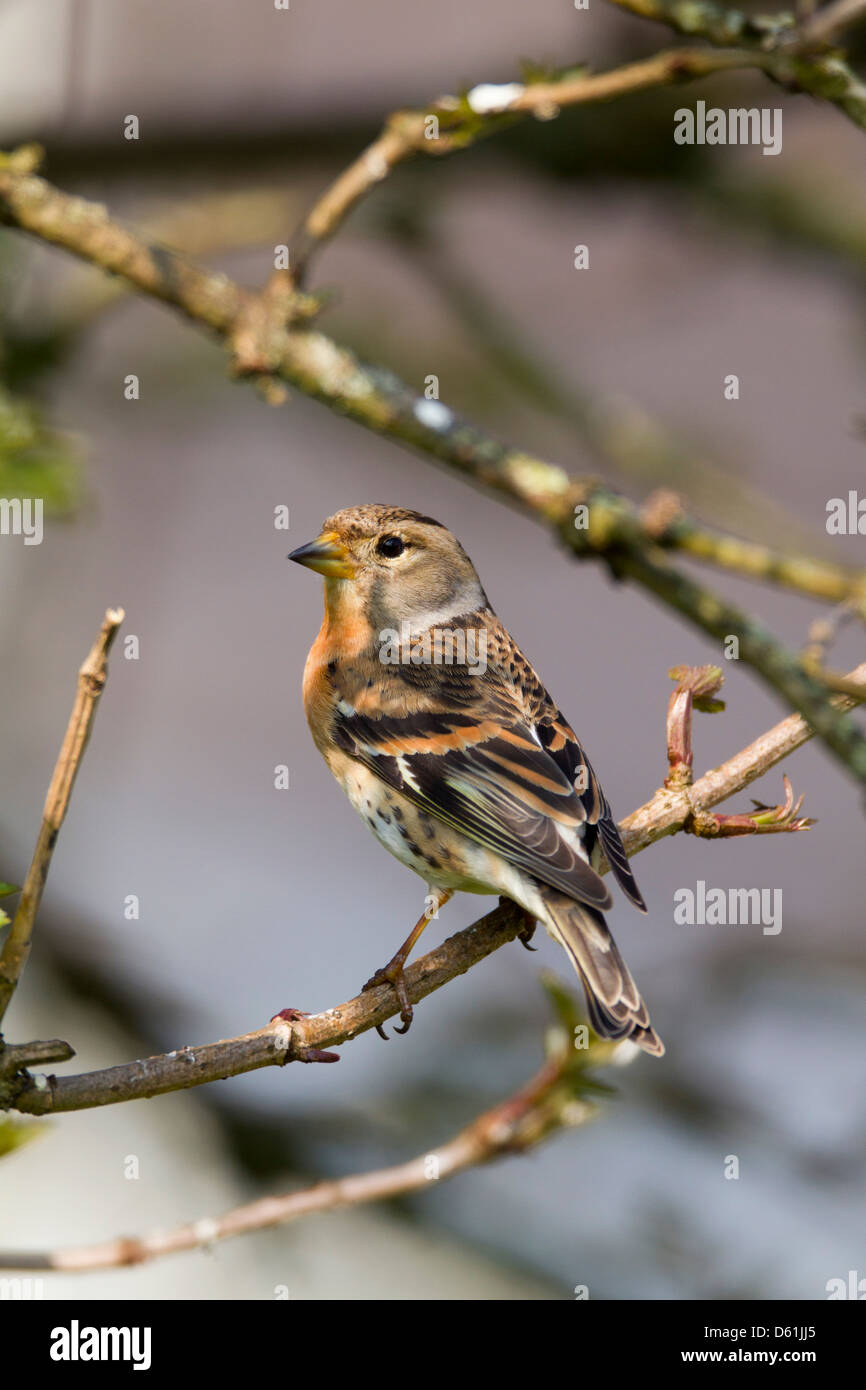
(390, 546)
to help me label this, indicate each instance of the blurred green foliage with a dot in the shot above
(36, 460)
(6, 890)
(14, 1133)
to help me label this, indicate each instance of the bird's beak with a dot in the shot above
(327, 554)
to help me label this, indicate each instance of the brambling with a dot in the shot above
(446, 742)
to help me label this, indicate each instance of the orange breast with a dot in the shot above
(344, 636)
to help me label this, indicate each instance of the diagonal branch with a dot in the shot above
(556, 1097)
(822, 26)
(91, 679)
(377, 399)
(671, 809)
(718, 24)
(780, 668)
(462, 121)
(764, 41)
(794, 54)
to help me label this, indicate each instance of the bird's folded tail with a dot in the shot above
(616, 1009)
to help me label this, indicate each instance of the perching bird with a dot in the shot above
(446, 742)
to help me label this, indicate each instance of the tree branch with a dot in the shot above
(555, 1098)
(672, 809)
(462, 121)
(481, 112)
(282, 1041)
(718, 24)
(266, 340)
(780, 668)
(822, 26)
(786, 45)
(801, 573)
(255, 328)
(91, 679)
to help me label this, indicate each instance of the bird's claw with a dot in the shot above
(525, 936)
(392, 974)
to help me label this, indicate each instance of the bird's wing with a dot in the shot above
(563, 746)
(479, 767)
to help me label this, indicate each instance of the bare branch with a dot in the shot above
(555, 1098)
(825, 23)
(282, 1041)
(462, 121)
(787, 48)
(617, 531)
(801, 573)
(779, 667)
(91, 679)
(718, 24)
(670, 810)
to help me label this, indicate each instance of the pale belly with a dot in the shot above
(441, 856)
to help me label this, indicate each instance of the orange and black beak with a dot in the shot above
(327, 554)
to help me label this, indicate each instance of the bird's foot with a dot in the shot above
(392, 974)
(525, 936)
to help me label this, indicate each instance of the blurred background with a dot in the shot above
(703, 262)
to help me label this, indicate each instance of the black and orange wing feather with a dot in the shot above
(563, 745)
(510, 668)
(492, 756)
(489, 780)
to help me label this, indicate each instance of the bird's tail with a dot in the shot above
(616, 1009)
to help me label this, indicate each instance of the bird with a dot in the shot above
(447, 743)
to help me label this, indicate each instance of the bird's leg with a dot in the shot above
(525, 936)
(527, 932)
(392, 973)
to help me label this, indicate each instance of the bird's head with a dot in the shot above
(395, 565)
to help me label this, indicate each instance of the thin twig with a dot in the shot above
(718, 24)
(696, 686)
(91, 679)
(802, 573)
(670, 809)
(624, 435)
(463, 121)
(780, 667)
(790, 61)
(825, 23)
